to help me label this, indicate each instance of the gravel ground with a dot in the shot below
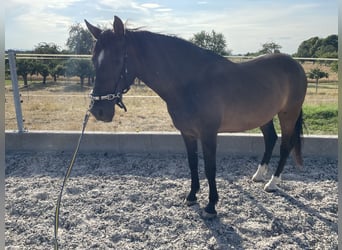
(137, 202)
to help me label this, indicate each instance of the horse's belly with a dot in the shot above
(236, 127)
(243, 121)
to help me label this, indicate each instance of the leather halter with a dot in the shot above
(117, 95)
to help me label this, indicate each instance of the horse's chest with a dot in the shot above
(185, 119)
(194, 119)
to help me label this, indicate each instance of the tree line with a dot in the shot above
(80, 42)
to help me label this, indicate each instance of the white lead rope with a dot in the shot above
(67, 174)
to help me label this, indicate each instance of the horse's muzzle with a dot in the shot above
(103, 111)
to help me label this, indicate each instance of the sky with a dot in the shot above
(246, 24)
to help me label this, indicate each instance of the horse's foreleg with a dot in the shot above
(191, 148)
(209, 154)
(270, 138)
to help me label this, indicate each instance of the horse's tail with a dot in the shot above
(298, 139)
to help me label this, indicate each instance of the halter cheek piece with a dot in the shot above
(117, 96)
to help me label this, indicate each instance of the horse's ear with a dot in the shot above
(96, 32)
(118, 26)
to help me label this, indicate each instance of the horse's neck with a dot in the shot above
(154, 64)
(167, 64)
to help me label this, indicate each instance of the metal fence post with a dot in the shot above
(15, 87)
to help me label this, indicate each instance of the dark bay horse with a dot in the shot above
(205, 94)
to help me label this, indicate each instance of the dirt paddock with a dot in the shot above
(137, 202)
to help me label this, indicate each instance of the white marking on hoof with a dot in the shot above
(272, 185)
(260, 174)
(100, 57)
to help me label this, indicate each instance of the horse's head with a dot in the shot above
(110, 62)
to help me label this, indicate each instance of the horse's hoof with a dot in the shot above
(209, 212)
(208, 216)
(272, 185)
(269, 189)
(258, 178)
(260, 174)
(190, 203)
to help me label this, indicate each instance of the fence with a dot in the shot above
(64, 98)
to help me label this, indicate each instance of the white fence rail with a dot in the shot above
(69, 56)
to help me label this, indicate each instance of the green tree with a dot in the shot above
(317, 74)
(47, 48)
(82, 68)
(80, 40)
(309, 47)
(213, 41)
(267, 48)
(318, 47)
(43, 70)
(58, 70)
(25, 67)
(47, 66)
(270, 48)
(329, 47)
(334, 66)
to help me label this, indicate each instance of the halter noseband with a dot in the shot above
(109, 97)
(116, 97)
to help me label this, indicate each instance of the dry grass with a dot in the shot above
(54, 109)
(327, 94)
(333, 76)
(62, 105)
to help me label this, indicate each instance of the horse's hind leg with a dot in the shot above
(288, 139)
(285, 149)
(191, 147)
(270, 138)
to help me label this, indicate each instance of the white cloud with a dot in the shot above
(117, 4)
(42, 21)
(245, 26)
(164, 10)
(34, 21)
(150, 5)
(31, 30)
(60, 4)
(38, 4)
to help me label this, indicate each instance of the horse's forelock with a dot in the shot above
(104, 40)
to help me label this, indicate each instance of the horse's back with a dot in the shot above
(257, 90)
(277, 71)
(275, 63)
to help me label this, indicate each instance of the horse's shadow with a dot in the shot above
(307, 209)
(276, 224)
(225, 236)
(226, 230)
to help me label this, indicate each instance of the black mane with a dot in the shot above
(175, 41)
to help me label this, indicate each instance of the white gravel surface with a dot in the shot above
(137, 202)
